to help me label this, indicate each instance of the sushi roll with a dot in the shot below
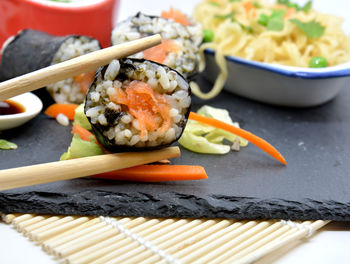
(178, 50)
(31, 50)
(136, 104)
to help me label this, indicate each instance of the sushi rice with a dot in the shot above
(184, 60)
(69, 91)
(116, 123)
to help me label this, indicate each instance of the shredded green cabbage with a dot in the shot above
(81, 148)
(4, 144)
(202, 138)
(80, 118)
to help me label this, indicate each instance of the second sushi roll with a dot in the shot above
(136, 104)
(179, 48)
(31, 50)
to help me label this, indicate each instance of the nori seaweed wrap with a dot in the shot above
(180, 46)
(31, 50)
(136, 104)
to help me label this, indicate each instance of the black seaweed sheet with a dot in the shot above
(245, 184)
(30, 50)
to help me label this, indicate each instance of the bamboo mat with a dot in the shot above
(74, 239)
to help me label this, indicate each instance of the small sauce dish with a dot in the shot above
(31, 105)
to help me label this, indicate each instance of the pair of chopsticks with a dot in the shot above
(76, 168)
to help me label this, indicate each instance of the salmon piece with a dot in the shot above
(150, 108)
(159, 52)
(176, 15)
(84, 80)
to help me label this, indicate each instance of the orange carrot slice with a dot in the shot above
(83, 133)
(259, 142)
(176, 15)
(249, 7)
(67, 109)
(289, 13)
(156, 173)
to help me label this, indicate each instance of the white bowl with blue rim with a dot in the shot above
(278, 84)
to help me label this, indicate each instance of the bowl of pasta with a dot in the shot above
(282, 53)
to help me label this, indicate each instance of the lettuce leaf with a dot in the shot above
(202, 138)
(4, 144)
(80, 118)
(80, 148)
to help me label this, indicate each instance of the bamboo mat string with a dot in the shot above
(143, 242)
(123, 247)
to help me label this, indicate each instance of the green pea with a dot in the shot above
(263, 19)
(208, 35)
(318, 62)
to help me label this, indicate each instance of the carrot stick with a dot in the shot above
(248, 6)
(156, 173)
(259, 142)
(83, 133)
(289, 13)
(67, 109)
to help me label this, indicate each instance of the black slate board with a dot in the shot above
(247, 184)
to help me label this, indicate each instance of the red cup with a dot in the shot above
(93, 19)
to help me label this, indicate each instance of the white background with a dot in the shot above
(329, 245)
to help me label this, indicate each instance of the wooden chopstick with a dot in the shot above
(76, 168)
(85, 63)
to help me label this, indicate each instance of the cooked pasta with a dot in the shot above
(282, 33)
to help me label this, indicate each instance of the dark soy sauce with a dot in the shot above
(9, 107)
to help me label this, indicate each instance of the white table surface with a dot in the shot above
(329, 245)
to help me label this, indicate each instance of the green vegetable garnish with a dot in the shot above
(312, 29)
(208, 35)
(231, 1)
(80, 118)
(223, 17)
(4, 144)
(249, 29)
(318, 62)
(256, 5)
(80, 148)
(290, 4)
(263, 19)
(275, 22)
(202, 138)
(307, 6)
(214, 4)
